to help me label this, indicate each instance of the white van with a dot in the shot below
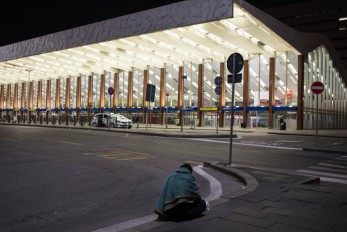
(111, 120)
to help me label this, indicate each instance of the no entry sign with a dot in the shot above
(317, 87)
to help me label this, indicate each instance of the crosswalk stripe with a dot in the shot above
(322, 173)
(334, 170)
(332, 165)
(333, 180)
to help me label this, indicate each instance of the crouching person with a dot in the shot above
(179, 199)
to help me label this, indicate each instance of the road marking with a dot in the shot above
(66, 142)
(333, 180)
(252, 145)
(322, 173)
(128, 224)
(215, 193)
(288, 141)
(215, 185)
(118, 154)
(332, 165)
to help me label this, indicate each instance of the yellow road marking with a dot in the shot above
(69, 143)
(194, 162)
(118, 154)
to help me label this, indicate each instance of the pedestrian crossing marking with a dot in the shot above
(332, 165)
(333, 170)
(120, 155)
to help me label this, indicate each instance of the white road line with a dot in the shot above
(215, 193)
(322, 173)
(128, 224)
(252, 145)
(333, 180)
(215, 185)
(332, 165)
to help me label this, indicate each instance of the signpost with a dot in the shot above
(150, 96)
(218, 90)
(317, 87)
(234, 65)
(110, 91)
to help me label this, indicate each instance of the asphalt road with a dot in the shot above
(83, 180)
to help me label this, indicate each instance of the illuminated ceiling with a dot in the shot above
(217, 40)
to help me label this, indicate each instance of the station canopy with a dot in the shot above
(217, 40)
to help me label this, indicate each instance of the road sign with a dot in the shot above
(150, 93)
(218, 80)
(218, 90)
(317, 87)
(237, 79)
(237, 65)
(110, 91)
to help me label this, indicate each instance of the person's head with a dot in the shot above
(185, 165)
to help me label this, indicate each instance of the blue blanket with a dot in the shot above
(178, 188)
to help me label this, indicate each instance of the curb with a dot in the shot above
(303, 134)
(250, 182)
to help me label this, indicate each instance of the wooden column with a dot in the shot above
(300, 100)
(31, 93)
(245, 92)
(48, 94)
(162, 94)
(200, 91)
(145, 82)
(1, 98)
(102, 90)
(67, 93)
(8, 96)
(271, 90)
(15, 97)
(57, 93)
(48, 98)
(90, 91)
(116, 89)
(130, 90)
(23, 95)
(39, 94)
(78, 92)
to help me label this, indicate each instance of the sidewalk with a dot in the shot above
(270, 202)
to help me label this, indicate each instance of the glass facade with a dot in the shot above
(199, 94)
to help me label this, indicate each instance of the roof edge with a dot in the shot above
(170, 16)
(301, 41)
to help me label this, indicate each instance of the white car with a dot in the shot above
(111, 120)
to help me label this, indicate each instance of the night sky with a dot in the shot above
(22, 20)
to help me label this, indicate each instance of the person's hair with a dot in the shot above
(187, 166)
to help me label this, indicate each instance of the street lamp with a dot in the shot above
(182, 118)
(167, 106)
(29, 71)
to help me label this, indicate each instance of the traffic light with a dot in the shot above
(218, 81)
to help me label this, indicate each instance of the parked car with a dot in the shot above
(111, 120)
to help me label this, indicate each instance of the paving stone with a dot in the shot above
(277, 211)
(274, 204)
(260, 222)
(298, 223)
(302, 197)
(278, 227)
(250, 212)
